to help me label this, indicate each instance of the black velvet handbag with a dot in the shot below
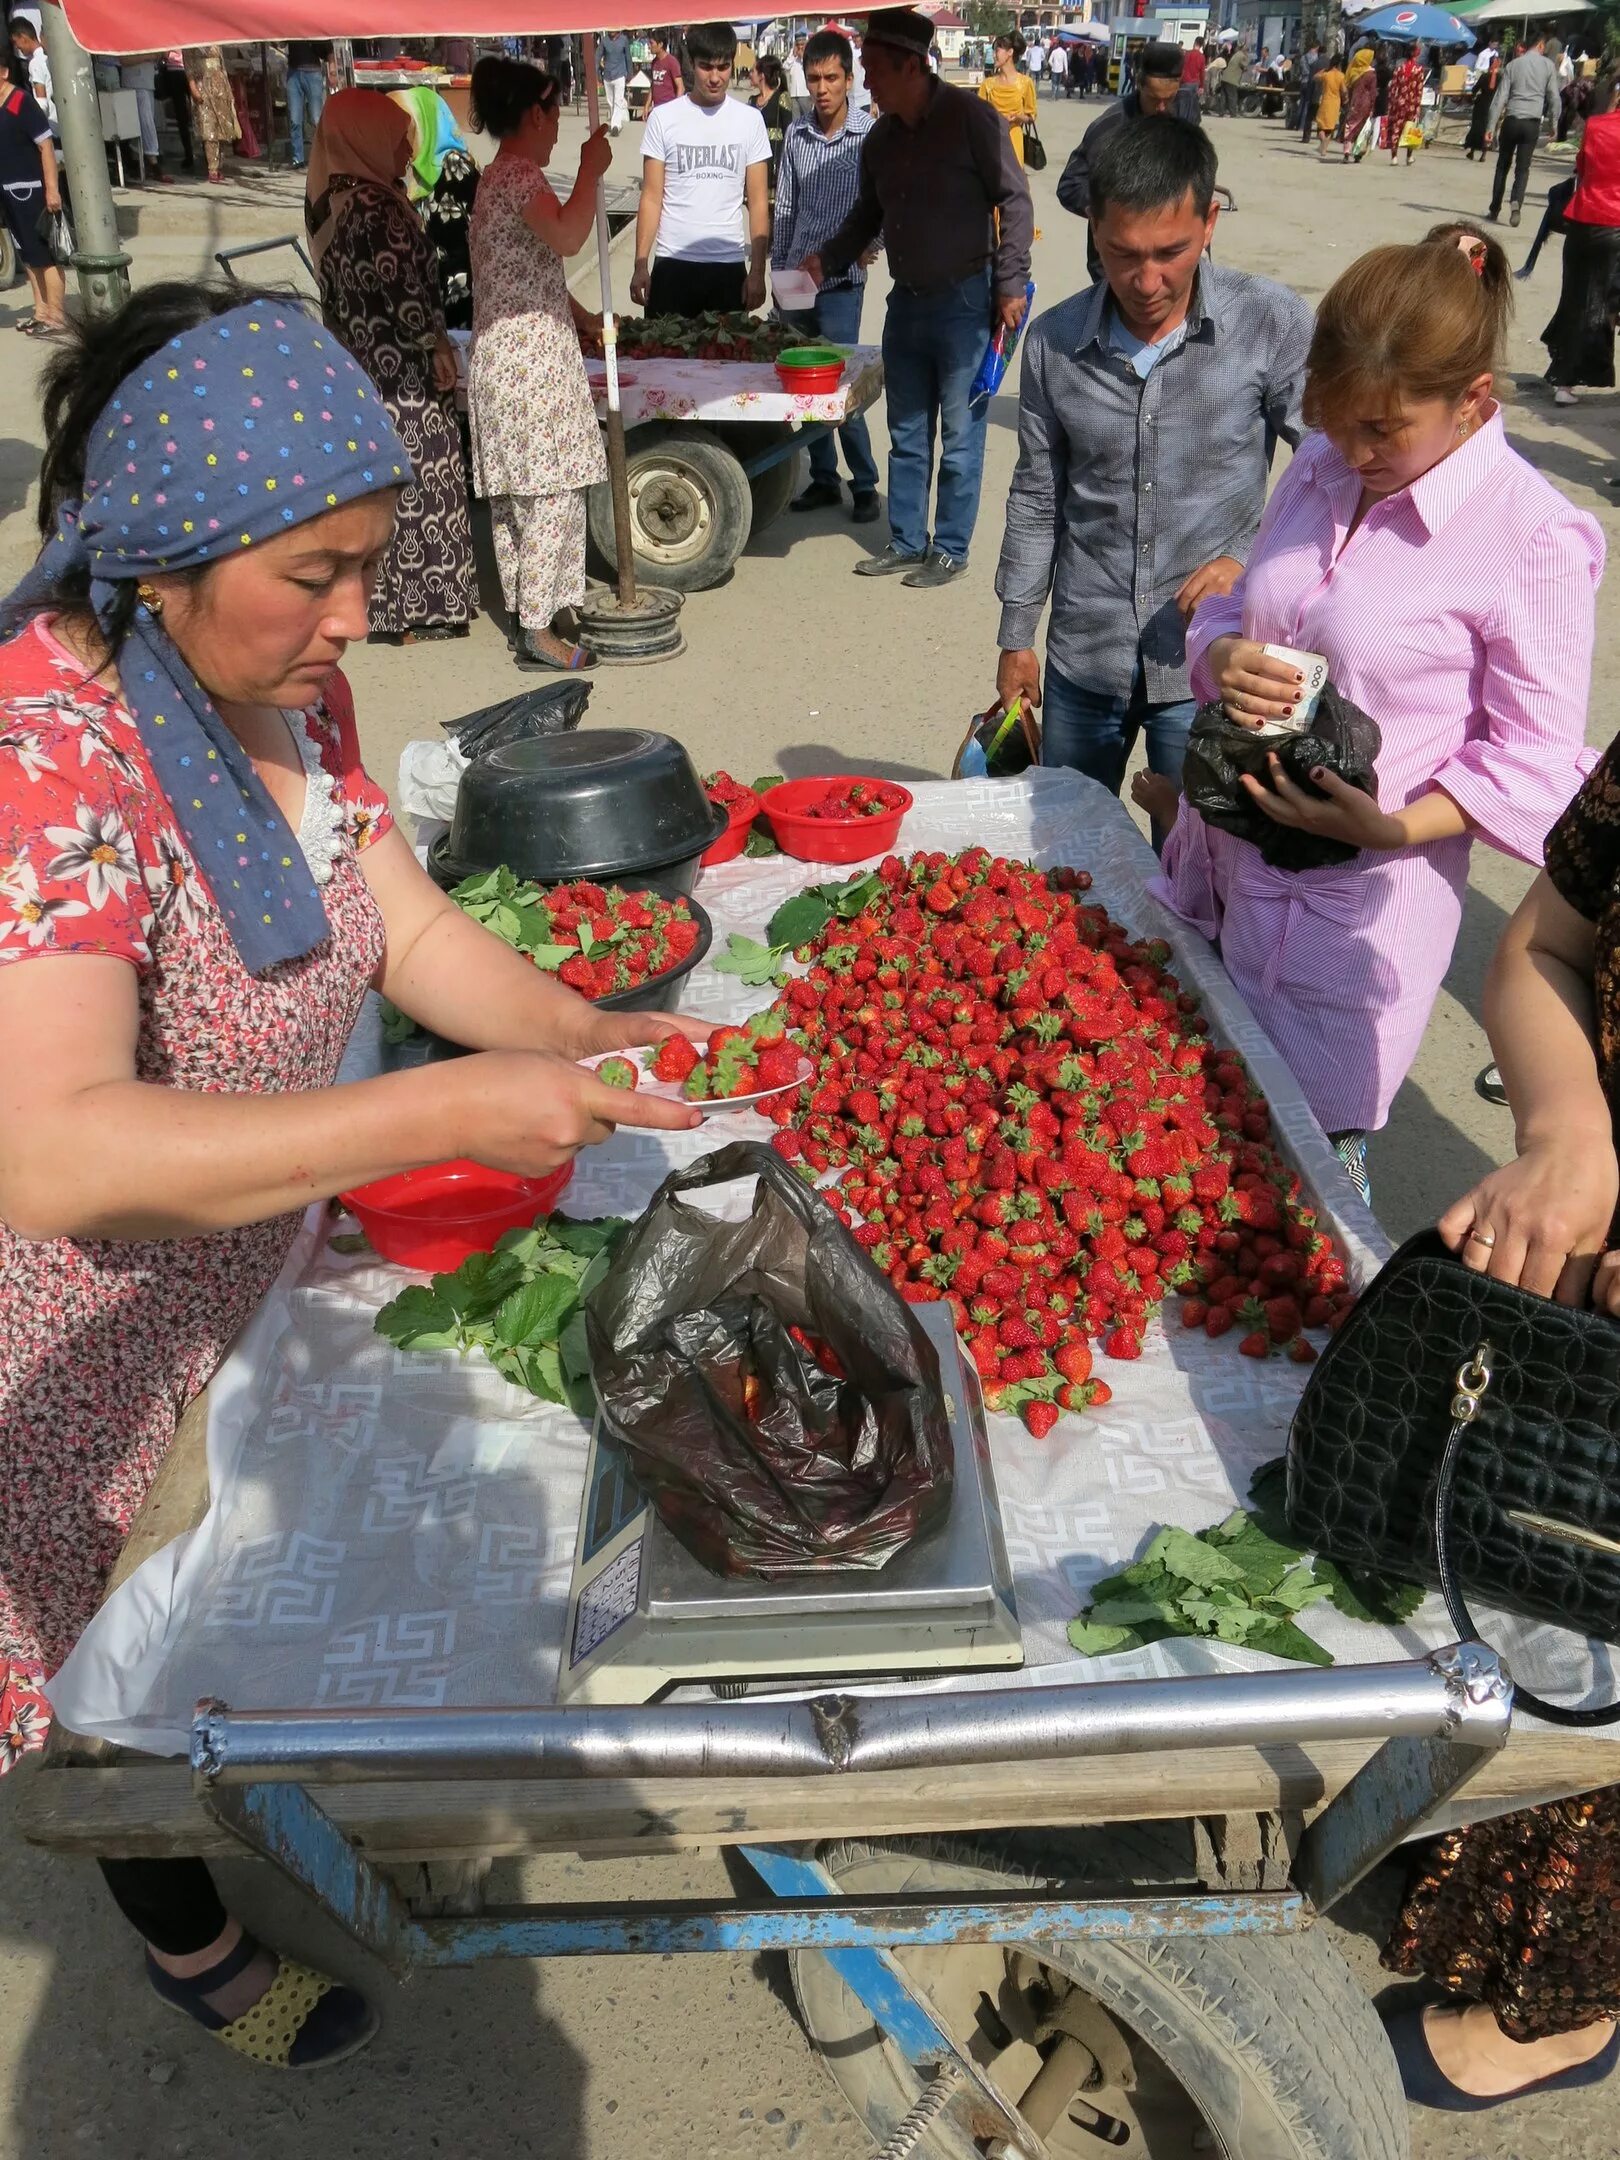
(1466, 1433)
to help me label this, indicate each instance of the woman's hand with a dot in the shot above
(444, 366)
(1254, 687)
(601, 1031)
(528, 1112)
(595, 157)
(1346, 814)
(1542, 1221)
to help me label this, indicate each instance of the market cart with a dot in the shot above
(713, 449)
(1026, 1912)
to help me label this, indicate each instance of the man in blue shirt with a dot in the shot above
(1149, 406)
(818, 179)
(616, 74)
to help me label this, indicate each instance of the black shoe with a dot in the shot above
(863, 508)
(1513, 215)
(1489, 1084)
(819, 495)
(1493, 217)
(937, 570)
(891, 560)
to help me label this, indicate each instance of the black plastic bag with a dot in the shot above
(56, 233)
(553, 709)
(1339, 737)
(690, 1326)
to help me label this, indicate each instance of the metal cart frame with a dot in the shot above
(1439, 1719)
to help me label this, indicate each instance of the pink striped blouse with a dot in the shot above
(1460, 617)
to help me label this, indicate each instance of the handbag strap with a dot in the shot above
(1472, 1381)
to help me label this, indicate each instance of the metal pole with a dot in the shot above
(1459, 1696)
(101, 263)
(618, 460)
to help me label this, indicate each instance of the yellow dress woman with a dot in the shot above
(1012, 94)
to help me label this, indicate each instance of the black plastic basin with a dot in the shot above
(620, 805)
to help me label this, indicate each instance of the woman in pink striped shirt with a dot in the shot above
(1451, 589)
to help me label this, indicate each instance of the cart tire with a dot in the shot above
(1269, 2039)
(690, 507)
(10, 270)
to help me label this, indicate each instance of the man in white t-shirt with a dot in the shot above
(704, 197)
(798, 87)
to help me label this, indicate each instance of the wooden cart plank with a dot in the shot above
(147, 1808)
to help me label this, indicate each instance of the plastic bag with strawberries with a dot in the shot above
(779, 1404)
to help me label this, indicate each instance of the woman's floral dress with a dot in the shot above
(533, 424)
(104, 1341)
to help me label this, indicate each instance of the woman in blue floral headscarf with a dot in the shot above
(198, 884)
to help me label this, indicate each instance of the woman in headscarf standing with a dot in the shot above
(1478, 139)
(198, 885)
(443, 185)
(1360, 96)
(1401, 112)
(210, 89)
(379, 281)
(535, 441)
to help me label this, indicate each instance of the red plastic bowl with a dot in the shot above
(434, 1217)
(810, 381)
(832, 840)
(735, 837)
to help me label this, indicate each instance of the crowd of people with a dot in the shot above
(193, 970)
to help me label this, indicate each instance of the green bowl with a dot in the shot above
(798, 356)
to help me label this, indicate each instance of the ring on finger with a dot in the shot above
(1477, 1236)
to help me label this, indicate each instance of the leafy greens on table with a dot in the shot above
(523, 1305)
(1243, 1582)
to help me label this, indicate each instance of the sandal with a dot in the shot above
(525, 656)
(302, 2021)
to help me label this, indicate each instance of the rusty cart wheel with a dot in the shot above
(1240, 2048)
(690, 507)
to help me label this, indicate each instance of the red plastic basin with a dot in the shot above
(434, 1217)
(829, 840)
(810, 381)
(734, 839)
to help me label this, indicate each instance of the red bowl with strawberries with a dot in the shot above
(837, 817)
(741, 806)
(434, 1217)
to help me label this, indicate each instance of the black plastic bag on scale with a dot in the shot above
(779, 1404)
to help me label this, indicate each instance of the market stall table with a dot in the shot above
(391, 1532)
(713, 454)
(713, 450)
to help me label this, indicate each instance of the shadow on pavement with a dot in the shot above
(802, 761)
(99, 2065)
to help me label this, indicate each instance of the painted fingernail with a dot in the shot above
(1318, 772)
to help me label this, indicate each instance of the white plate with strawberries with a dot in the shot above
(740, 1067)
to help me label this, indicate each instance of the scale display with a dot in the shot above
(644, 1615)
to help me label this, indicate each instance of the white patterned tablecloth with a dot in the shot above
(719, 390)
(393, 1529)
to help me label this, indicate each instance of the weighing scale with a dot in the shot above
(644, 1615)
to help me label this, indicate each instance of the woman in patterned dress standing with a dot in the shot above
(1518, 1918)
(536, 445)
(210, 89)
(379, 280)
(198, 885)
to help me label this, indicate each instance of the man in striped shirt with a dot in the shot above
(818, 178)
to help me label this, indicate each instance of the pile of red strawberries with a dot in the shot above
(1027, 1122)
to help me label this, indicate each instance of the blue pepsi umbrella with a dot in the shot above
(1422, 24)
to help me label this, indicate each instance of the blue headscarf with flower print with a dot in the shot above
(252, 422)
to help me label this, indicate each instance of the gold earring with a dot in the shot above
(151, 599)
